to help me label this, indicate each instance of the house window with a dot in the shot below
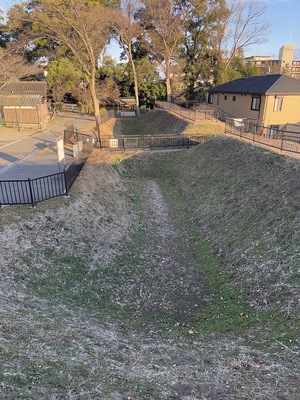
(278, 103)
(255, 103)
(210, 98)
(233, 98)
(225, 97)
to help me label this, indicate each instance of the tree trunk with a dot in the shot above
(96, 108)
(135, 80)
(168, 83)
(98, 120)
(168, 86)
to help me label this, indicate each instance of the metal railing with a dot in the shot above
(33, 191)
(105, 116)
(197, 114)
(73, 135)
(246, 128)
(73, 170)
(150, 142)
(269, 136)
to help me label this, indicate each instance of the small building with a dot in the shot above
(271, 100)
(23, 104)
(127, 103)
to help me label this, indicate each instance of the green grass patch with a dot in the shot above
(67, 278)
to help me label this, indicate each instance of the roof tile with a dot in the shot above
(269, 84)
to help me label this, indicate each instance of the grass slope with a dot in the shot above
(160, 122)
(247, 201)
(164, 276)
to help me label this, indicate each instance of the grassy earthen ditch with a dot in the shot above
(165, 275)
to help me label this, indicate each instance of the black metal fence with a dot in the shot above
(73, 170)
(150, 142)
(269, 136)
(73, 135)
(33, 191)
(199, 113)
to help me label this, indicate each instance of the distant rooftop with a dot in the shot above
(26, 87)
(257, 58)
(20, 100)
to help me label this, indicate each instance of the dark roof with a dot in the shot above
(20, 100)
(26, 87)
(269, 84)
(127, 100)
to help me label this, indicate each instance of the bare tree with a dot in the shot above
(81, 27)
(165, 24)
(127, 31)
(245, 26)
(14, 66)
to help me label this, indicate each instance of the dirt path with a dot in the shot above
(176, 282)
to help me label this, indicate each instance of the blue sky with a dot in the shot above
(283, 16)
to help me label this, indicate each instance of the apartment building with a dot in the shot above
(285, 64)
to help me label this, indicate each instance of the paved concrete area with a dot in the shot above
(29, 153)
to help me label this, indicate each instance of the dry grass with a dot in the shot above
(160, 122)
(207, 128)
(155, 122)
(247, 200)
(164, 276)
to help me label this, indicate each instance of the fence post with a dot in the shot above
(66, 185)
(281, 144)
(31, 193)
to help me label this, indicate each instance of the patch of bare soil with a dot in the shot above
(70, 269)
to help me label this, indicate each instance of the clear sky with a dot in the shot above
(283, 16)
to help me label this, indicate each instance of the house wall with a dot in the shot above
(290, 111)
(266, 116)
(21, 115)
(26, 116)
(240, 108)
